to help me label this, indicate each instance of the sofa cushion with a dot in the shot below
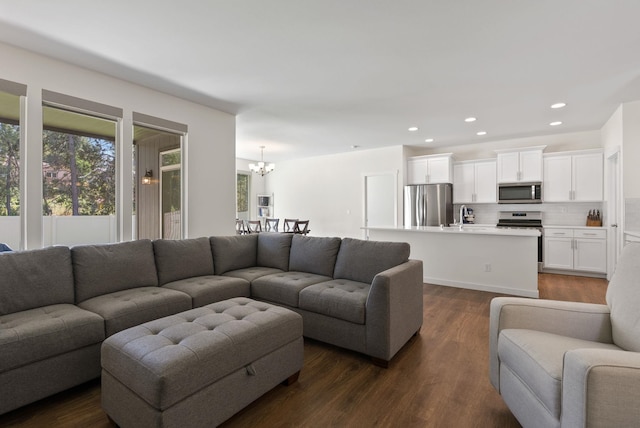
(339, 298)
(36, 334)
(182, 258)
(361, 261)
(273, 250)
(284, 287)
(313, 254)
(107, 268)
(35, 278)
(537, 359)
(211, 288)
(252, 273)
(623, 298)
(126, 308)
(234, 252)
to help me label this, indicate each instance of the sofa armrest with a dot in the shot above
(585, 321)
(394, 309)
(601, 388)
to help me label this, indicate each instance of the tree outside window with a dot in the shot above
(79, 174)
(9, 169)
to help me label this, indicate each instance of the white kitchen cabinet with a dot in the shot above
(522, 165)
(576, 249)
(474, 181)
(574, 176)
(430, 169)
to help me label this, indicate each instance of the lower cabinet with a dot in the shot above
(582, 250)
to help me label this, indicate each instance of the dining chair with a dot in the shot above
(271, 224)
(301, 227)
(289, 224)
(255, 226)
(241, 229)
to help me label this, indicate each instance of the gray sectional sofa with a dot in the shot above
(58, 304)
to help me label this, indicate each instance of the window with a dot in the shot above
(9, 154)
(10, 173)
(78, 165)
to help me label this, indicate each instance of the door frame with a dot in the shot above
(615, 209)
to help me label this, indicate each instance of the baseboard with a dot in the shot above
(482, 287)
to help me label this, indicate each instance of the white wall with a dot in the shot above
(209, 148)
(631, 145)
(328, 190)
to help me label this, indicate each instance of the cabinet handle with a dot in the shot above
(590, 234)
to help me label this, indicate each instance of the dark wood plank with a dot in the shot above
(439, 379)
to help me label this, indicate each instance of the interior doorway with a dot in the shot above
(380, 200)
(158, 184)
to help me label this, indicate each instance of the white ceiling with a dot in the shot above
(307, 78)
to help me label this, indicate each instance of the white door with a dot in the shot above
(380, 200)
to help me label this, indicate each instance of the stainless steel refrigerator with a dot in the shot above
(428, 204)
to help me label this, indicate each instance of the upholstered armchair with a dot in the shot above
(567, 364)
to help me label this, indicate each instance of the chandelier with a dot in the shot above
(261, 168)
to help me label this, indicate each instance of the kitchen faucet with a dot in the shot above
(463, 212)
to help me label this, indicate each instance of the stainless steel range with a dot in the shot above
(524, 219)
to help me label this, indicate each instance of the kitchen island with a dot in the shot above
(483, 258)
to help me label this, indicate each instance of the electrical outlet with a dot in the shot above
(487, 267)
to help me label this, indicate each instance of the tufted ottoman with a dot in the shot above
(199, 367)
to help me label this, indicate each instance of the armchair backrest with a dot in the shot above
(623, 298)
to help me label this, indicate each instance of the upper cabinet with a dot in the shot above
(573, 176)
(520, 165)
(474, 181)
(430, 169)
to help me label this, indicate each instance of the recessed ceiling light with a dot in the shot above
(470, 119)
(413, 128)
(481, 133)
(558, 105)
(429, 140)
(555, 123)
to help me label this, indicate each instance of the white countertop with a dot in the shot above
(467, 229)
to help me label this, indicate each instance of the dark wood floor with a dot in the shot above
(439, 379)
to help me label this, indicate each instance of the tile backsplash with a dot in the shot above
(556, 214)
(632, 214)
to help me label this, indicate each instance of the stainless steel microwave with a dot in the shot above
(520, 193)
